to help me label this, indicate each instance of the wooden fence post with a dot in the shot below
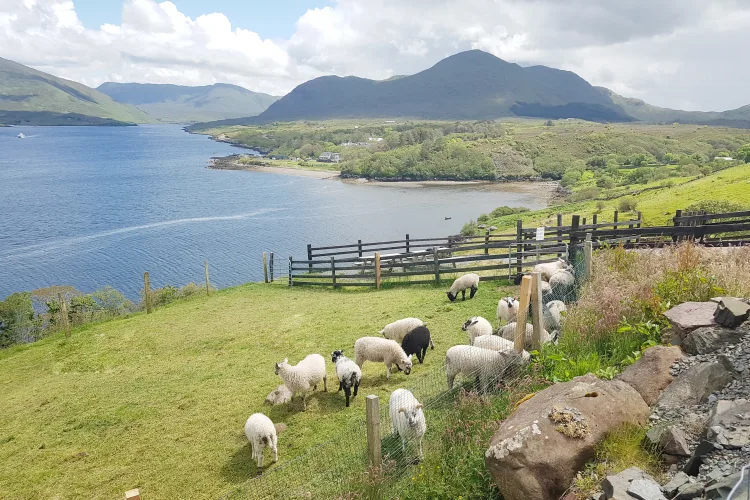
(133, 494)
(616, 216)
(583, 221)
(309, 256)
(573, 243)
(536, 311)
(291, 276)
(588, 255)
(359, 247)
(377, 270)
(407, 242)
(519, 246)
(594, 219)
(64, 321)
(147, 292)
(373, 430)
(265, 268)
(208, 283)
(523, 310)
(333, 271)
(437, 264)
(559, 232)
(487, 243)
(271, 266)
(638, 225)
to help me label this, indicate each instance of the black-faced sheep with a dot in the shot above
(476, 327)
(461, 284)
(348, 373)
(416, 342)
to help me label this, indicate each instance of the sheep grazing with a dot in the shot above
(548, 268)
(509, 332)
(398, 329)
(301, 377)
(553, 314)
(499, 344)
(348, 373)
(476, 327)
(278, 396)
(381, 350)
(416, 342)
(507, 310)
(485, 365)
(470, 281)
(562, 283)
(407, 418)
(261, 433)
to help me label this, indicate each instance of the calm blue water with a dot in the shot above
(96, 206)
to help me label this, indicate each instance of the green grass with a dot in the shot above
(159, 401)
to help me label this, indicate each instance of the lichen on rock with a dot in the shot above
(569, 422)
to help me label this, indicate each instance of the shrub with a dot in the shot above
(585, 194)
(16, 318)
(483, 218)
(469, 229)
(600, 205)
(716, 206)
(628, 204)
(605, 182)
(505, 210)
(571, 177)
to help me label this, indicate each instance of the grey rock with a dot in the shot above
(674, 442)
(688, 491)
(721, 489)
(729, 423)
(731, 312)
(650, 375)
(644, 489)
(708, 339)
(674, 484)
(693, 464)
(688, 316)
(694, 385)
(616, 486)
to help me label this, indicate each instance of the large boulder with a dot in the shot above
(688, 316)
(729, 424)
(694, 385)
(708, 339)
(650, 374)
(537, 451)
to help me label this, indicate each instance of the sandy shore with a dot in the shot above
(299, 172)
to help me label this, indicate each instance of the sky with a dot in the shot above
(684, 54)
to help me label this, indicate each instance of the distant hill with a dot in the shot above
(181, 104)
(470, 85)
(643, 111)
(32, 97)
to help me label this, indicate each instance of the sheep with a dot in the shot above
(386, 351)
(548, 268)
(299, 378)
(261, 433)
(561, 283)
(278, 396)
(476, 327)
(546, 288)
(470, 281)
(407, 418)
(348, 373)
(507, 310)
(398, 329)
(416, 342)
(509, 332)
(499, 344)
(486, 365)
(553, 314)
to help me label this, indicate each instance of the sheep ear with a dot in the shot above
(402, 410)
(419, 406)
(286, 360)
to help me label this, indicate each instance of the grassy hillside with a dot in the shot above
(159, 401)
(182, 104)
(27, 91)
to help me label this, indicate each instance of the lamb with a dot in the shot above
(499, 344)
(348, 373)
(509, 332)
(398, 329)
(553, 314)
(278, 396)
(407, 418)
(548, 268)
(416, 342)
(307, 373)
(476, 327)
(487, 366)
(386, 351)
(470, 281)
(507, 310)
(261, 433)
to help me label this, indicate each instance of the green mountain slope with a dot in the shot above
(180, 104)
(467, 86)
(31, 97)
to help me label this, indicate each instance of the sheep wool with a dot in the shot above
(509, 332)
(416, 342)
(461, 284)
(553, 314)
(381, 350)
(507, 310)
(261, 433)
(306, 374)
(278, 396)
(476, 327)
(407, 418)
(398, 329)
(548, 268)
(348, 373)
(483, 364)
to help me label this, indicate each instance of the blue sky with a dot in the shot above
(270, 19)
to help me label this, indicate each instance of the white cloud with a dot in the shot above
(677, 53)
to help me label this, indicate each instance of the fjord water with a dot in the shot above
(96, 206)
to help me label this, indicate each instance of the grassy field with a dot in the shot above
(159, 401)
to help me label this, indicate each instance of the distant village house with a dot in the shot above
(328, 157)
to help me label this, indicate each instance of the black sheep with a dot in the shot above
(417, 341)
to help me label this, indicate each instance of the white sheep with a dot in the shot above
(507, 310)
(407, 418)
(546, 288)
(485, 365)
(509, 332)
(499, 344)
(261, 433)
(553, 314)
(476, 327)
(306, 374)
(280, 395)
(381, 350)
(398, 329)
(561, 278)
(462, 283)
(548, 268)
(348, 373)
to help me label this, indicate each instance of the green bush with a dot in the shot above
(469, 229)
(505, 210)
(16, 318)
(585, 194)
(716, 207)
(606, 182)
(627, 204)
(571, 177)
(483, 218)
(600, 205)
(687, 285)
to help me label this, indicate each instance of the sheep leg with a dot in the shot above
(356, 387)
(450, 378)
(260, 457)
(420, 355)
(432, 346)
(419, 446)
(276, 452)
(325, 383)
(388, 371)
(473, 292)
(341, 386)
(463, 294)
(403, 444)
(347, 392)
(304, 402)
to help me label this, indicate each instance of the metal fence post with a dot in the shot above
(373, 430)
(333, 272)
(309, 256)
(265, 268)
(559, 232)
(573, 244)
(271, 266)
(536, 311)
(359, 247)
(588, 255)
(407, 242)
(291, 277)
(519, 246)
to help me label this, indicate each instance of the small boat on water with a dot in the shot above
(21, 136)
(447, 218)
